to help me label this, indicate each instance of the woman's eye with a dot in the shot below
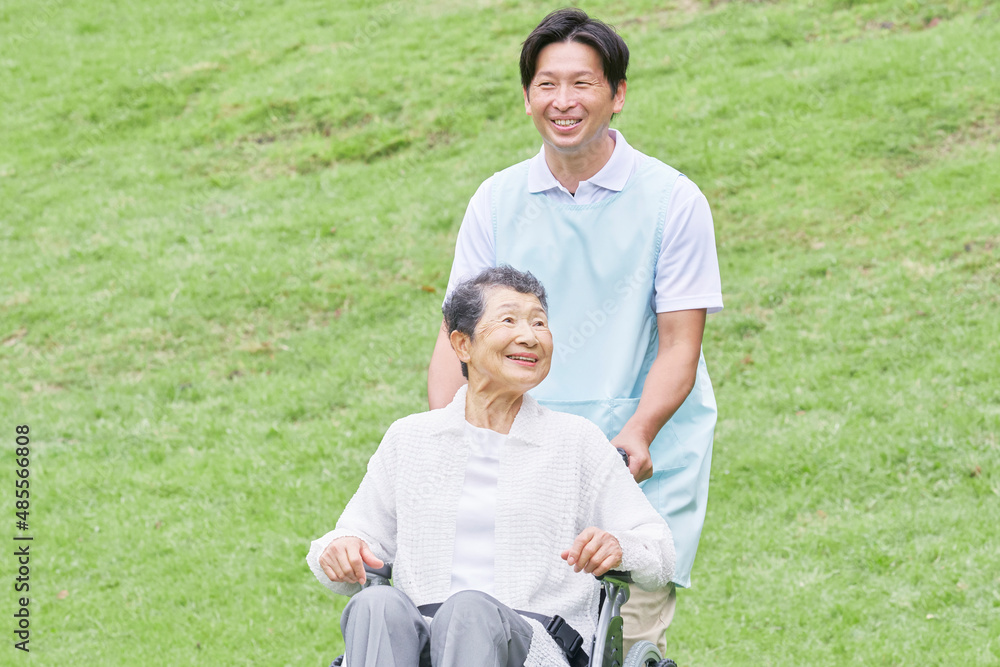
(508, 320)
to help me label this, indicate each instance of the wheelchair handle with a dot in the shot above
(624, 455)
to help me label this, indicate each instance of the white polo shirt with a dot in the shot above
(687, 271)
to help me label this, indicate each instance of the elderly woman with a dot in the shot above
(495, 511)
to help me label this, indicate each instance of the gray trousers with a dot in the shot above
(383, 628)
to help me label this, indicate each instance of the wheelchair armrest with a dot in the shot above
(616, 589)
(617, 576)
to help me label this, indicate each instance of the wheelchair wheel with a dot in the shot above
(643, 654)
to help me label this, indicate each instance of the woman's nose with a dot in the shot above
(526, 334)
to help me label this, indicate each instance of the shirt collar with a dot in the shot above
(524, 427)
(612, 176)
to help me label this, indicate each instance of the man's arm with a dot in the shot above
(444, 375)
(473, 253)
(668, 383)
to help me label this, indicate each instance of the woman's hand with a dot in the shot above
(345, 558)
(594, 551)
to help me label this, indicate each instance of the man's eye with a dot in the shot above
(508, 320)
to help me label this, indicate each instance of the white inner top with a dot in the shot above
(475, 537)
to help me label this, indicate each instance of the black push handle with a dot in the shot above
(624, 455)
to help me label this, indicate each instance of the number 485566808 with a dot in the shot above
(22, 451)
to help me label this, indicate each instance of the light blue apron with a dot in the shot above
(597, 263)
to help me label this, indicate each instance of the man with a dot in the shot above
(625, 246)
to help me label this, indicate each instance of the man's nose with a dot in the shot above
(565, 98)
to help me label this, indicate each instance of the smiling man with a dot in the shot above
(625, 247)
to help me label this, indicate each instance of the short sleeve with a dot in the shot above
(474, 249)
(687, 270)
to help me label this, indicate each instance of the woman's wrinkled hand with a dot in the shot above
(594, 551)
(345, 558)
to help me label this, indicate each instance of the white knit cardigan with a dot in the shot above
(558, 475)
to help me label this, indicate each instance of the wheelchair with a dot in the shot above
(606, 647)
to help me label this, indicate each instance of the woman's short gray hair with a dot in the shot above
(465, 305)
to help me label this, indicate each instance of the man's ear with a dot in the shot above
(527, 104)
(460, 342)
(619, 97)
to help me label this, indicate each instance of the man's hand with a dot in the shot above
(667, 385)
(639, 462)
(594, 551)
(345, 558)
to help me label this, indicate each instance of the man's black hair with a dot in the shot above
(573, 25)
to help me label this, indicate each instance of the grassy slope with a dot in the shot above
(221, 223)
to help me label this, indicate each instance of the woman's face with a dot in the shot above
(512, 348)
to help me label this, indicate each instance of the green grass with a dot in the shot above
(225, 232)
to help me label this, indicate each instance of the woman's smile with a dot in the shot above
(524, 359)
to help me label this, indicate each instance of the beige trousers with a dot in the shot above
(647, 616)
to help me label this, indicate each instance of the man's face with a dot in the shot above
(569, 98)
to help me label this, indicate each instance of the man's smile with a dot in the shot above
(567, 122)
